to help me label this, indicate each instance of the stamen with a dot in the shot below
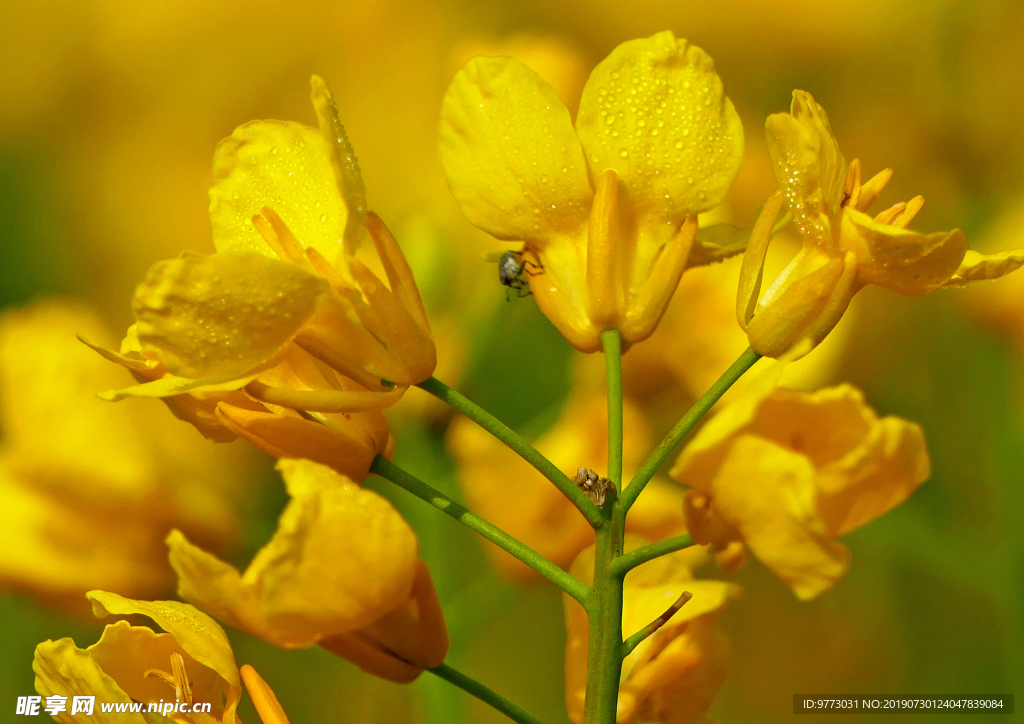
(890, 214)
(177, 679)
(324, 400)
(851, 195)
(291, 247)
(263, 698)
(872, 188)
(913, 206)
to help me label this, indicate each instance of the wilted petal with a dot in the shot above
(510, 154)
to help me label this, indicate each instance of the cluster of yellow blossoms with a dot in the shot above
(294, 338)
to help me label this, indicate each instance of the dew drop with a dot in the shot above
(236, 195)
(273, 151)
(623, 152)
(323, 218)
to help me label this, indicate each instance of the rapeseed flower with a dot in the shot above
(787, 473)
(607, 209)
(288, 211)
(88, 491)
(673, 675)
(342, 570)
(844, 248)
(191, 661)
(507, 491)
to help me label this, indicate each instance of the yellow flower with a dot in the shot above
(507, 491)
(788, 472)
(673, 675)
(192, 662)
(288, 213)
(342, 570)
(88, 490)
(844, 249)
(607, 210)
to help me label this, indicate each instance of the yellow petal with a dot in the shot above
(655, 112)
(63, 669)
(197, 634)
(340, 559)
(510, 154)
(282, 165)
(224, 316)
(561, 291)
(977, 267)
(808, 164)
(768, 493)
(343, 163)
(716, 243)
(880, 474)
(344, 448)
(324, 400)
(904, 261)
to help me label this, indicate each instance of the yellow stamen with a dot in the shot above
(324, 400)
(890, 214)
(177, 679)
(913, 206)
(870, 190)
(851, 195)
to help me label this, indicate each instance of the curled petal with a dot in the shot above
(753, 260)
(808, 165)
(902, 260)
(341, 558)
(225, 316)
(63, 669)
(655, 112)
(280, 162)
(768, 493)
(976, 267)
(324, 400)
(510, 155)
(343, 163)
(561, 292)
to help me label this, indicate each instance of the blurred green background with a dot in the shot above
(108, 124)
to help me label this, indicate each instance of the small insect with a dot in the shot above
(511, 267)
(593, 485)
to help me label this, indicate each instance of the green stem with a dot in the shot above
(471, 686)
(570, 584)
(684, 426)
(625, 563)
(515, 441)
(604, 652)
(612, 342)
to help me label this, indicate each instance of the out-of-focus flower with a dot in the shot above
(608, 209)
(844, 249)
(88, 490)
(342, 570)
(788, 472)
(191, 662)
(507, 491)
(672, 675)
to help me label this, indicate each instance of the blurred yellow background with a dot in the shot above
(109, 118)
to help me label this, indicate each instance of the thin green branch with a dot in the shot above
(471, 686)
(625, 563)
(568, 583)
(515, 441)
(684, 426)
(612, 342)
(631, 643)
